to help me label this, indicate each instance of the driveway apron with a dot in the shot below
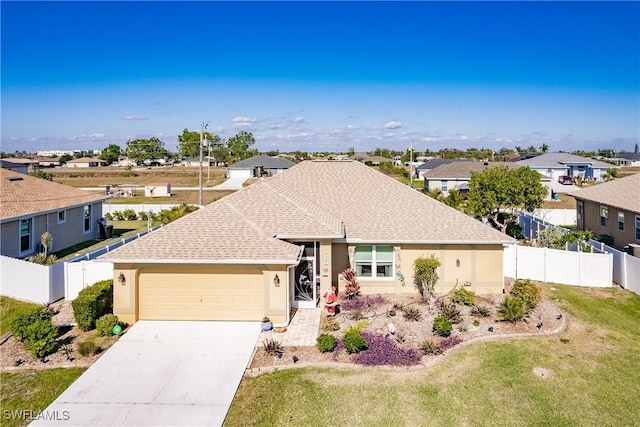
(160, 373)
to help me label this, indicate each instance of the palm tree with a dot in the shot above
(455, 199)
(435, 193)
(46, 239)
(544, 148)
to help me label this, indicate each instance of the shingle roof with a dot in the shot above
(26, 195)
(558, 160)
(434, 163)
(313, 200)
(87, 160)
(628, 156)
(458, 170)
(623, 193)
(266, 162)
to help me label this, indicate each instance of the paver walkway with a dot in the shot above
(302, 330)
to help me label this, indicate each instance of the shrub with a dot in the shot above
(93, 302)
(429, 347)
(23, 321)
(329, 324)
(326, 343)
(108, 216)
(447, 343)
(481, 311)
(442, 326)
(527, 292)
(385, 351)
(272, 347)
(451, 312)
(511, 309)
(352, 287)
(412, 313)
(37, 331)
(105, 324)
(88, 348)
(353, 341)
(463, 296)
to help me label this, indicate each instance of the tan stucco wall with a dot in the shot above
(591, 221)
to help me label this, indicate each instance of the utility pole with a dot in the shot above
(202, 127)
(411, 163)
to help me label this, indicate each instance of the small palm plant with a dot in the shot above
(511, 309)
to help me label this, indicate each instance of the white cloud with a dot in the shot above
(135, 118)
(393, 124)
(298, 119)
(244, 122)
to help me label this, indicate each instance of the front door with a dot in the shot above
(304, 280)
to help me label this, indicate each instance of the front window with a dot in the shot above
(374, 261)
(25, 234)
(62, 216)
(580, 209)
(86, 215)
(621, 221)
(604, 215)
(444, 186)
(637, 227)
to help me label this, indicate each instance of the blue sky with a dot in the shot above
(322, 76)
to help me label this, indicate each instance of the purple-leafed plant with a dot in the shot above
(385, 351)
(338, 348)
(452, 341)
(363, 302)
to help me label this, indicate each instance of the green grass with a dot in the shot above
(32, 390)
(593, 379)
(10, 309)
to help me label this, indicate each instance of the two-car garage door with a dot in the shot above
(189, 293)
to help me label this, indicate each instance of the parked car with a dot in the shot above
(565, 180)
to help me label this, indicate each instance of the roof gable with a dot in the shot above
(623, 193)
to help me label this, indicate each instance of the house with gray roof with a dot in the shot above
(258, 166)
(30, 206)
(555, 165)
(611, 210)
(280, 243)
(627, 159)
(16, 167)
(434, 163)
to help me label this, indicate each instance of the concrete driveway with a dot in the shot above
(161, 373)
(234, 183)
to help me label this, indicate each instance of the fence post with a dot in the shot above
(623, 276)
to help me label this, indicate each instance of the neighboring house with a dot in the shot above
(195, 161)
(258, 166)
(280, 243)
(15, 167)
(369, 160)
(47, 162)
(30, 206)
(30, 164)
(627, 159)
(611, 209)
(86, 162)
(434, 163)
(555, 165)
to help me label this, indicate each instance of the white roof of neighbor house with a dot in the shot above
(623, 193)
(264, 161)
(22, 195)
(561, 160)
(343, 200)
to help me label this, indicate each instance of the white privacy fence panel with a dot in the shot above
(145, 207)
(557, 216)
(79, 275)
(632, 273)
(31, 282)
(556, 266)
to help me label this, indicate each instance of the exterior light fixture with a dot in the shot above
(121, 279)
(276, 281)
(458, 262)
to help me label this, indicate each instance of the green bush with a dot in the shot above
(130, 215)
(105, 324)
(451, 312)
(463, 296)
(88, 348)
(511, 309)
(40, 338)
(93, 302)
(442, 326)
(329, 324)
(527, 292)
(354, 343)
(23, 321)
(326, 343)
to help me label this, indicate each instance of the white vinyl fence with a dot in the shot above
(79, 275)
(144, 207)
(557, 266)
(27, 281)
(557, 216)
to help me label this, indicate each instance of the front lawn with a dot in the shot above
(586, 376)
(24, 393)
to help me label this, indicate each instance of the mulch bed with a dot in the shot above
(545, 319)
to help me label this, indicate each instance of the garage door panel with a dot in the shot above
(201, 294)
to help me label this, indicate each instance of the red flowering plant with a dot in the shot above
(352, 288)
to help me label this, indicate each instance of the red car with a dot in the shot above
(565, 180)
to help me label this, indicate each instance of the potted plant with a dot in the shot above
(266, 324)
